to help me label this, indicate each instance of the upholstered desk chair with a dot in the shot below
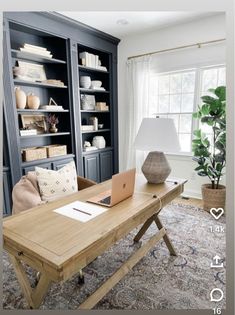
(26, 195)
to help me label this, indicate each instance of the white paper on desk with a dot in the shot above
(68, 211)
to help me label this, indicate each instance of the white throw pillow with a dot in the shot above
(57, 184)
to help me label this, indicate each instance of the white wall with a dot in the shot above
(183, 34)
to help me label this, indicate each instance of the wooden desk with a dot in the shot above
(59, 247)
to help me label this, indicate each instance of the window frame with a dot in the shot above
(197, 95)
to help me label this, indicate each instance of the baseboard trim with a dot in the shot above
(192, 194)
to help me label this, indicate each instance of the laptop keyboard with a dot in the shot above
(106, 200)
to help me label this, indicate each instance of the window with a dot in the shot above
(176, 95)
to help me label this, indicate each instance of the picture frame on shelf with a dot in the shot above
(37, 122)
(31, 71)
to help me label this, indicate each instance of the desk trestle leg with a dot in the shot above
(165, 237)
(143, 229)
(34, 296)
(159, 224)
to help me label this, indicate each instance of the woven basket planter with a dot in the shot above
(213, 198)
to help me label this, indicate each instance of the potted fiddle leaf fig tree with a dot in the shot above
(210, 151)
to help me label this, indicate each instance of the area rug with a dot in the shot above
(159, 281)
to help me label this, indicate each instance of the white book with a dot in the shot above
(87, 149)
(90, 60)
(102, 68)
(37, 52)
(51, 107)
(82, 55)
(35, 47)
(96, 61)
(98, 88)
(85, 55)
(31, 132)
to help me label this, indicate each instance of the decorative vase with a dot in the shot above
(156, 167)
(213, 198)
(20, 98)
(85, 82)
(53, 128)
(33, 101)
(99, 142)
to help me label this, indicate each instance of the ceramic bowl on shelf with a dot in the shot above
(85, 82)
(100, 126)
(96, 84)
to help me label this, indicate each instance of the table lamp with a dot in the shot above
(157, 135)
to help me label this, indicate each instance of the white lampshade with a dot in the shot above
(157, 134)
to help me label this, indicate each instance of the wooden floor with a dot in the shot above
(190, 201)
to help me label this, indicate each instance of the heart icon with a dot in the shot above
(217, 212)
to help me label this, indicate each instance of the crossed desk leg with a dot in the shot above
(146, 225)
(34, 296)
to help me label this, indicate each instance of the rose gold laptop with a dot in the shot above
(122, 188)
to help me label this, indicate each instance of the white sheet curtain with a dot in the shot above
(138, 74)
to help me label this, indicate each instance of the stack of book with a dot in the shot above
(28, 132)
(53, 82)
(91, 60)
(37, 50)
(92, 148)
(101, 106)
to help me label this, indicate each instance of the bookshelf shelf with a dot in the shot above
(38, 84)
(57, 134)
(90, 69)
(33, 57)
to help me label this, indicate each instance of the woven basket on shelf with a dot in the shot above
(213, 198)
(56, 149)
(34, 153)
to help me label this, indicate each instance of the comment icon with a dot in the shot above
(216, 295)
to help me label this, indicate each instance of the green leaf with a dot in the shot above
(198, 168)
(220, 157)
(219, 145)
(208, 99)
(197, 133)
(195, 159)
(205, 142)
(207, 119)
(222, 123)
(219, 167)
(205, 109)
(220, 91)
(196, 141)
(202, 173)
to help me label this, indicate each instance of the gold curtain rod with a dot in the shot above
(180, 47)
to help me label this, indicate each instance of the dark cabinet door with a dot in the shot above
(32, 168)
(59, 164)
(92, 167)
(106, 165)
(7, 203)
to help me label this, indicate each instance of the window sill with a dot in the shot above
(180, 156)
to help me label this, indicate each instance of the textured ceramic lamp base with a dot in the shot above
(156, 168)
